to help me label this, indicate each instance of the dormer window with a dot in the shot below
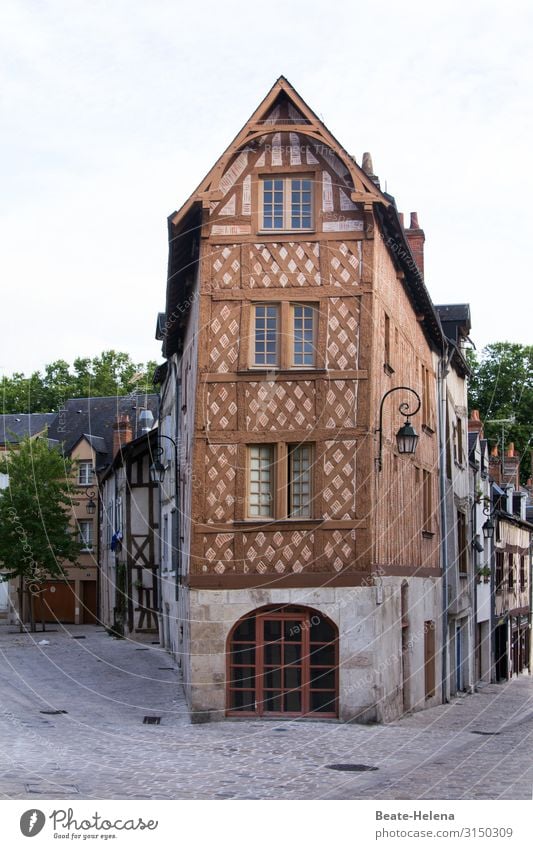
(286, 203)
(85, 473)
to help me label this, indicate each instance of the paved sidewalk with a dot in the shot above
(479, 746)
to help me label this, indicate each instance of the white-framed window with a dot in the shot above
(86, 534)
(286, 203)
(164, 552)
(299, 480)
(303, 334)
(85, 472)
(266, 335)
(261, 481)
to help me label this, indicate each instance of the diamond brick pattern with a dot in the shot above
(222, 406)
(339, 479)
(286, 264)
(224, 342)
(281, 552)
(226, 267)
(272, 404)
(343, 333)
(344, 266)
(339, 549)
(341, 404)
(220, 461)
(219, 553)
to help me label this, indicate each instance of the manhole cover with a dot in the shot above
(152, 720)
(53, 712)
(352, 767)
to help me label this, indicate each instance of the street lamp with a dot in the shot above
(406, 437)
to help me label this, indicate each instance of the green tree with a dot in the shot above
(501, 387)
(37, 540)
(110, 373)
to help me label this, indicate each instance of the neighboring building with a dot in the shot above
(457, 560)
(83, 429)
(512, 568)
(129, 544)
(301, 578)
(481, 548)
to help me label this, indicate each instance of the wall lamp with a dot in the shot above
(157, 468)
(91, 504)
(406, 437)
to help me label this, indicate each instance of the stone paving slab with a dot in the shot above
(100, 748)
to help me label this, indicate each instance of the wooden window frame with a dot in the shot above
(523, 579)
(287, 202)
(510, 573)
(427, 502)
(291, 450)
(308, 649)
(387, 355)
(273, 481)
(285, 337)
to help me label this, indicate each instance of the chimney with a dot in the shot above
(475, 425)
(400, 216)
(495, 467)
(368, 168)
(122, 432)
(416, 238)
(511, 467)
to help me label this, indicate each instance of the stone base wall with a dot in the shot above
(370, 644)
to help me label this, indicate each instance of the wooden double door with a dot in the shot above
(283, 663)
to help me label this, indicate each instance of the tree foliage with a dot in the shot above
(501, 387)
(110, 373)
(36, 537)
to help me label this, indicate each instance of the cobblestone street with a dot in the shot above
(478, 747)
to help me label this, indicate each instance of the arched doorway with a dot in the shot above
(283, 661)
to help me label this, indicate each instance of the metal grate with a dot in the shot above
(79, 637)
(352, 767)
(152, 720)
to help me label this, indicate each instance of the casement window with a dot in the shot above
(85, 473)
(510, 576)
(427, 413)
(261, 481)
(427, 502)
(498, 578)
(280, 481)
(85, 534)
(299, 480)
(386, 345)
(284, 335)
(286, 203)
(266, 335)
(462, 547)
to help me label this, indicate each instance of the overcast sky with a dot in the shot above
(113, 111)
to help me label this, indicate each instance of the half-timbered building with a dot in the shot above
(305, 575)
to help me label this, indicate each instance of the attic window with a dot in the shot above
(286, 203)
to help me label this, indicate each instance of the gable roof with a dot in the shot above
(264, 120)
(16, 426)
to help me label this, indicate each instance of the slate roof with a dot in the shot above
(16, 426)
(94, 418)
